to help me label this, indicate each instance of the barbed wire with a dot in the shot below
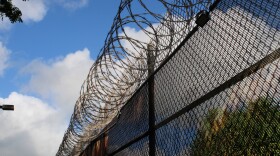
(141, 29)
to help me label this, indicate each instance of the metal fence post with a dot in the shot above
(151, 64)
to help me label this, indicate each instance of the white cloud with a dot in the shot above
(74, 4)
(34, 128)
(32, 10)
(59, 80)
(141, 36)
(36, 10)
(4, 55)
(249, 42)
(5, 24)
(164, 29)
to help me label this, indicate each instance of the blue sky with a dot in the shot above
(43, 62)
(61, 31)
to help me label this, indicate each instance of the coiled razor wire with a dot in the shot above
(141, 29)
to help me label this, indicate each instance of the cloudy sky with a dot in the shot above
(43, 63)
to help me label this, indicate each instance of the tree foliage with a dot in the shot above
(7, 9)
(251, 130)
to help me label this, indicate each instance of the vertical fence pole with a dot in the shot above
(151, 64)
(103, 145)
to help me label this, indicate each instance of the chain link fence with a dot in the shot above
(217, 94)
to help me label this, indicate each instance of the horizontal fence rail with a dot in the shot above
(140, 32)
(218, 93)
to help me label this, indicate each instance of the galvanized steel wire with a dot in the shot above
(218, 93)
(121, 67)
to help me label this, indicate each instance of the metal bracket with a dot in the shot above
(7, 107)
(202, 18)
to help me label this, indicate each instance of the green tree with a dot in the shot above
(252, 130)
(7, 9)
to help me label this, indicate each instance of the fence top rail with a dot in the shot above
(237, 42)
(121, 67)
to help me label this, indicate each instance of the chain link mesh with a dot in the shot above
(218, 93)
